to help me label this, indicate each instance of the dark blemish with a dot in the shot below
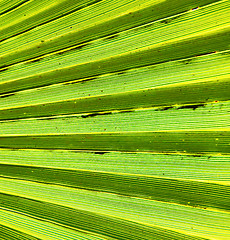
(119, 73)
(89, 115)
(166, 21)
(203, 54)
(101, 153)
(163, 108)
(51, 118)
(187, 61)
(111, 37)
(4, 69)
(88, 79)
(209, 157)
(195, 8)
(126, 111)
(83, 81)
(7, 95)
(78, 47)
(143, 27)
(60, 53)
(196, 155)
(95, 114)
(42, 41)
(194, 107)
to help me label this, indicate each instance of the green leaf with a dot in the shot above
(114, 119)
